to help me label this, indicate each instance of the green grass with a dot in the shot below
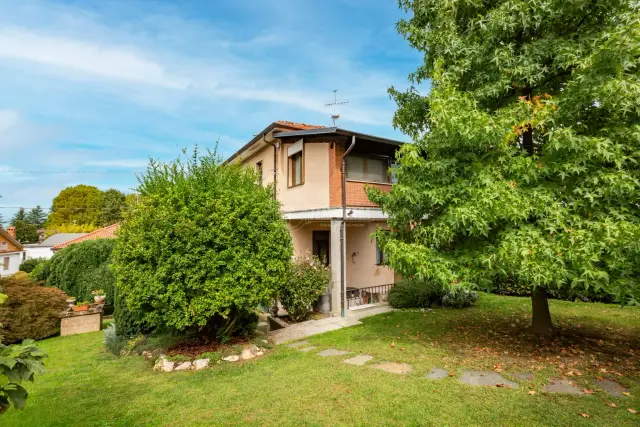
(86, 386)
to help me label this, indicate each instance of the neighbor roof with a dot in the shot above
(108, 232)
(4, 233)
(60, 238)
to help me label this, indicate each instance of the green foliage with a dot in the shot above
(28, 265)
(25, 232)
(83, 267)
(128, 324)
(113, 205)
(31, 310)
(19, 216)
(114, 343)
(307, 279)
(567, 293)
(415, 293)
(205, 244)
(41, 271)
(80, 204)
(458, 297)
(18, 363)
(37, 217)
(526, 152)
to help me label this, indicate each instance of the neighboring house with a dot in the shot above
(108, 232)
(11, 252)
(305, 162)
(45, 249)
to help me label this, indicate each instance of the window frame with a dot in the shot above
(381, 257)
(260, 171)
(366, 157)
(4, 246)
(5, 263)
(290, 170)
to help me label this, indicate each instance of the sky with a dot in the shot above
(90, 90)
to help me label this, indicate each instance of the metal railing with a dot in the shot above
(369, 295)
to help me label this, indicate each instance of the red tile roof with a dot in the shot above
(108, 232)
(300, 126)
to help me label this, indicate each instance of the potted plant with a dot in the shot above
(99, 296)
(81, 306)
(71, 301)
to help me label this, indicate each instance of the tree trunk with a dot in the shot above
(541, 317)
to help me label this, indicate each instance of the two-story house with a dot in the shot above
(11, 252)
(320, 174)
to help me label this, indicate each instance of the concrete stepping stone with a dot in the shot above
(333, 352)
(297, 344)
(486, 378)
(563, 386)
(437, 374)
(359, 360)
(612, 388)
(394, 368)
(307, 349)
(523, 376)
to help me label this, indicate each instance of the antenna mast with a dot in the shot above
(335, 116)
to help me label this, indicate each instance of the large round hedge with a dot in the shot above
(205, 244)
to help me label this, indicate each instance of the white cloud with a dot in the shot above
(112, 62)
(8, 119)
(119, 163)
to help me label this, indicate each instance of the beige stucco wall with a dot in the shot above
(314, 193)
(362, 270)
(265, 155)
(302, 233)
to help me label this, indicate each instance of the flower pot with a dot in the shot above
(81, 308)
(99, 299)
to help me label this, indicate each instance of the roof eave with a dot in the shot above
(336, 131)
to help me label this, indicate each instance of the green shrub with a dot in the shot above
(307, 279)
(29, 265)
(514, 288)
(18, 363)
(82, 267)
(41, 271)
(415, 293)
(114, 342)
(128, 324)
(31, 311)
(459, 297)
(205, 245)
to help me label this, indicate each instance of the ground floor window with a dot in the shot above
(381, 257)
(5, 263)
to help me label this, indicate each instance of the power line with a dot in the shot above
(16, 171)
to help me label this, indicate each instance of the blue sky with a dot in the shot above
(92, 89)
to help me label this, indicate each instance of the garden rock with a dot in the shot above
(359, 360)
(249, 352)
(147, 355)
(232, 358)
(612, 388)
(200, 364)
(437, 374)
(394, 368)
(563, 386)
(333, 352)
(164, 365)
(184, 366)
(486, 378)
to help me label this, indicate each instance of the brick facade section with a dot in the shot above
(335, 175)
(80, 324)
(357, 196)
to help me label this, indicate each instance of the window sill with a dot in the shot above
(297, 185)
(368, 182)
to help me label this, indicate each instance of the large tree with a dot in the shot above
(37, 216)
(20, 215)
(204, 245)
(113, 205)
(79, 205)
(526, 153)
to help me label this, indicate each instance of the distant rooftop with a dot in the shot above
(60, 238)
(108, 232)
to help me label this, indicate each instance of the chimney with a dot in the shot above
(11, 231)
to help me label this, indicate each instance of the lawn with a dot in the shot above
(85, 386)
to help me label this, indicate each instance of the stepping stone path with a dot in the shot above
(437, 374)
(523, 376)
(486, 378)
(297, 344)
(563, 386)
(333, 352)
(359, 360)
(307, 349)
(612, 388)
(394, 368)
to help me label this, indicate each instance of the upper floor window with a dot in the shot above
(4, 246)
(371, 169)
(259, 171)
(6, 263)
(295, 154)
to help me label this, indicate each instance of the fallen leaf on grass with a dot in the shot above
(500, 385)
(393, 345)
(582, 414)
(633, 411)
(531, 392)
(588, 391)
(626, 393)
(613, 405)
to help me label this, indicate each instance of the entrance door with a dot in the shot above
(321, 245)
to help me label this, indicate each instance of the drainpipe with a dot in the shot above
(275, 164)
(343, 289)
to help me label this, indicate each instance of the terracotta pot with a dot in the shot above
(99, 299)
(81, 308)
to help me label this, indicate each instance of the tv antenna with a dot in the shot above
(335, 115)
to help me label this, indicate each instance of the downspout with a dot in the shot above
(343, 289)
(275, 164)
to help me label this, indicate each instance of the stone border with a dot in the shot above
(163, 364)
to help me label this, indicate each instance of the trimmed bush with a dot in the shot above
(41, 271)
(31, 310)
(307, 279)
(82, 267)
(459, 297)
(127, 323)
(415, 293)
(29, 265)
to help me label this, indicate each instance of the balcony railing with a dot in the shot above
(369, 295)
